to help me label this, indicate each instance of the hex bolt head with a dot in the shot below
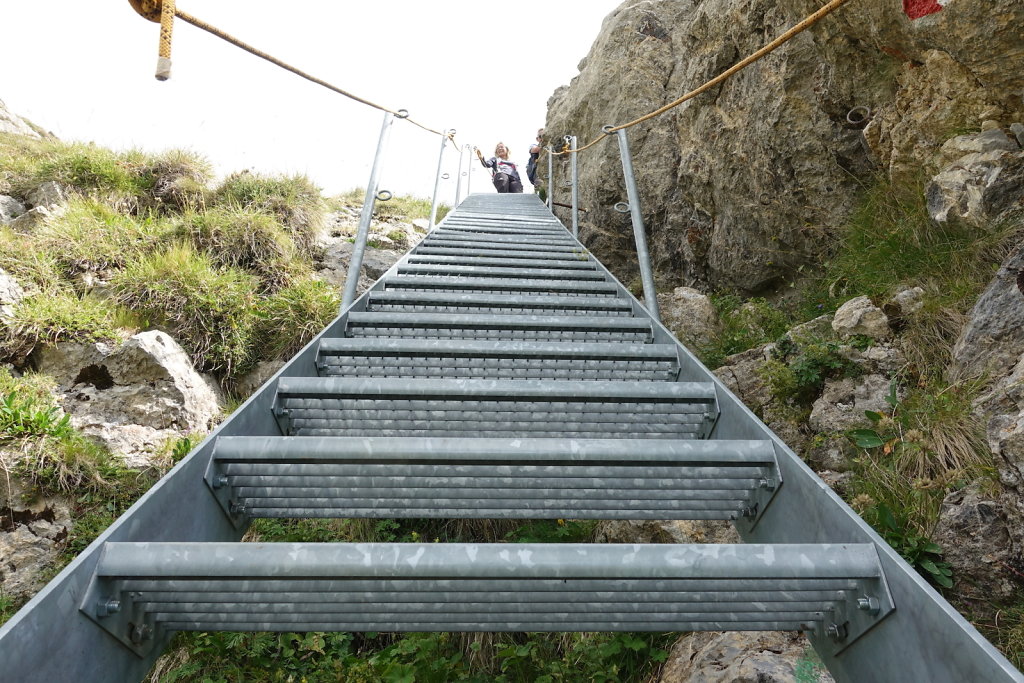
(869, 605)
(836, 632)
(104, 608)
(140, 633)
(237, 508)
(220, 481)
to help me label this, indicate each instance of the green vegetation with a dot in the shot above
(744, 325)
(294, 201)
(48, 318)
(797, 370)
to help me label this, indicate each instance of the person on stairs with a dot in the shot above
(503, 172)
(535, 150)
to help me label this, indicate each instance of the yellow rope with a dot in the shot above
(164, 11)
(811, 20)
(163, 63)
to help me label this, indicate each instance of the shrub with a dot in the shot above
(295, 201)
(798, 370)
(292, 316)
(245, 238)
(208, 309)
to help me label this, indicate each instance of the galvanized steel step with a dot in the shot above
(498, 262)
(478, 301)
(485, 587)
(501, 272)
(599, 287)
(374, 357)
(509, 327)
(530, 478)
(334, 406)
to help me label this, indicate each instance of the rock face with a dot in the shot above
(993, 339)
(132, 397)
(10, 294)
(742, 184)
(32, 531)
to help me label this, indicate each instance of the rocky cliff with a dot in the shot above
(747, 182)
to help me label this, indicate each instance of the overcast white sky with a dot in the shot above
(84, 70)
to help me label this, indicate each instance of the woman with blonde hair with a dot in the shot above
(503, 172)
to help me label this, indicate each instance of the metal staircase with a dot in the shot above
(497, 371)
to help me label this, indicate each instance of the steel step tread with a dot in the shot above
(514, 283)
(481, 587)
(553, 304)
(495, 349)
(493, 262)
(497, 272)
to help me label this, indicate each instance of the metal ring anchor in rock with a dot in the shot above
(858, 116)
(622, 207)
(384, 195)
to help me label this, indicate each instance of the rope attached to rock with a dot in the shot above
(808, 22)
(164, 11)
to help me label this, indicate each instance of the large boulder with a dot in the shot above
(135, 396)
(754, 657)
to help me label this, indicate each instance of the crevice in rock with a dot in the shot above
(10, 519)
(96, 375)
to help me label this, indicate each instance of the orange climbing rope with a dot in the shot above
(164, 11)
(811, 20)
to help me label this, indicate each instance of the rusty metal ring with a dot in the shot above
(858, 116)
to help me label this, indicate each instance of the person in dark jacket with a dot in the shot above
(504, 173)
(535, 150)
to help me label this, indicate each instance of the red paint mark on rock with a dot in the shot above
(915, 9)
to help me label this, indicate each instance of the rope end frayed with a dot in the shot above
(163, 68)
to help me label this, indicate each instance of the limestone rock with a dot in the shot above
(831, 453)
(975, 540)
(905, 303)
(377, 260)
(48, 195)
(33, 218)
(966, 189)
(32, 532)
(741, 375)
(135, 396)
(860, 316)
(689, 314)
(10, 294)
(675, 531)
(249, 383)
(993, 338)
(10, 208)
(753, 657)
(11, 123)
(843, 402)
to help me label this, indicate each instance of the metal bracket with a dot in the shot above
(117, 613)
(219, 484)
(761, 497)
(854, 614)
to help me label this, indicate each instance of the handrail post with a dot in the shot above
(575, 191)
(437, 179)
(458, 182)
(551, 180)
(359, 248)
(642, 254)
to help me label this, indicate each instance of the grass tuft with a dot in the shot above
(290, 318)
(209, 310)
(295, 201)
